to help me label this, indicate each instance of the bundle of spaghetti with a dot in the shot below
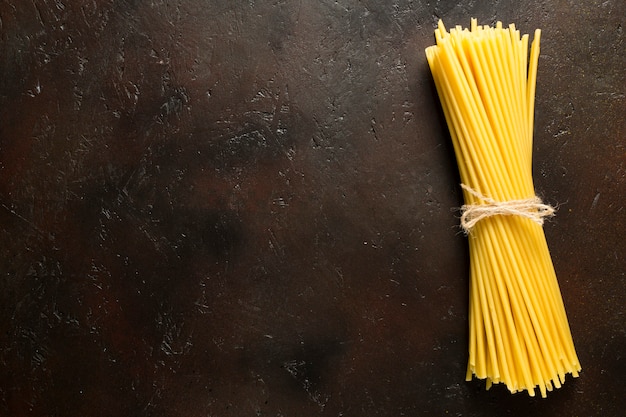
(519, 332)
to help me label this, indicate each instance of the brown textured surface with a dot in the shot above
(244, 208)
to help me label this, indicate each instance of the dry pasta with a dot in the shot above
(519, 333)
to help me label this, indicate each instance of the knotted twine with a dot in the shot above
(530, 208)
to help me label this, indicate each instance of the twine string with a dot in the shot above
(530, 208)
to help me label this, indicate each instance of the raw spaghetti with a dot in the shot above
(519, 333)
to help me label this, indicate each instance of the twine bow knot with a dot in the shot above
(530, 208)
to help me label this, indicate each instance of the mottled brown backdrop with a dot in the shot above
(238, 208)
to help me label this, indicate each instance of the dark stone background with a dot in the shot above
(218, 208)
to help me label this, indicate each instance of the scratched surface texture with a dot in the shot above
(238, 208)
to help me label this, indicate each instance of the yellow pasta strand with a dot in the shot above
(519, 334)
